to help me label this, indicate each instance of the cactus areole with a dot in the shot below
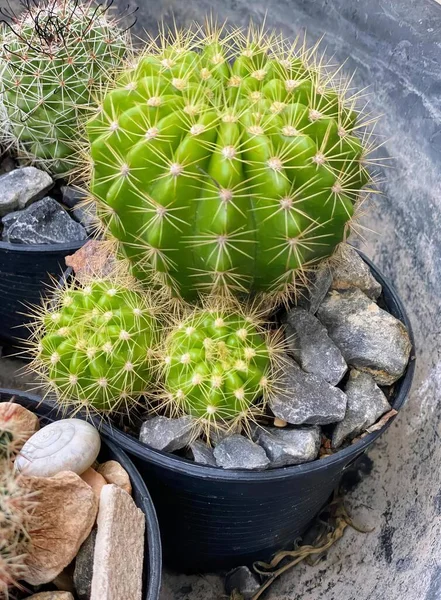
(228, 163)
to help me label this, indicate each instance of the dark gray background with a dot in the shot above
(395, 47)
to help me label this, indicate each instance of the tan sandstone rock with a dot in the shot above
(119, 547)
(113, 472)
(63, 518)
(52, 596)
(20, 421)
(95, 480)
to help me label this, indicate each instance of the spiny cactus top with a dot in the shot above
(53, 58)
(218, 367)
(227, 162)
(94, 348)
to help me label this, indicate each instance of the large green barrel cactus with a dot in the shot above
(95, 345)
(53, 59)
(227, 163)
(220, 366)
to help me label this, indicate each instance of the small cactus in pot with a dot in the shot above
(228, 164)
(94, 345)
(53, 59)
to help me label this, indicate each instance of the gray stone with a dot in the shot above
(351, 271)
(321, 282)
(87, 217)
(21, 187)
(366, 404)
(305, 399)
(71, 196)
(84, 567)
(312, 348)
(167, 434)
(289, 446)
(243, 581)
(369, 338)
(202, 453)
(44, 222)
(238, 452)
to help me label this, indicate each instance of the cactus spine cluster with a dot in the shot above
(218, 367)
(228, 162)
(94, 345)
(53, 59)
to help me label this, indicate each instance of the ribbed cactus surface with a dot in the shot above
(94, 347)
(53, 59)
(217, 366)
(227, 162)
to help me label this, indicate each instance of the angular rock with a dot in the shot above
(71, 195)
(366, 404)
(369, 338)
(44, 222)
(94, 258)
(312, 348)
(202, 453)
(62, 520)
(57, 595)
(289, 446)
(18, 421)
(21, 187)
(350, 271)
(238, 452)
(306, 399)
(242, 580)
(113, 472)
(64, 581)
(95, 480)
(319, 287)
(119, 547)
(84, 567)
(87, 217)
(167, 434)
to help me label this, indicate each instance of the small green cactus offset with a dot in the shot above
(94, 347)
(53, 59)
(228, 162)
(219, 367)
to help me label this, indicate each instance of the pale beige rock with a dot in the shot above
(62, 520)
(279, 422)
(95, 480)
(52, 596)
(20, 421)
(119, 547)
(113, 472)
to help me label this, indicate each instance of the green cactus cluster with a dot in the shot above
(53, 59)
(227, 163)
(218, 366)
(94, 345)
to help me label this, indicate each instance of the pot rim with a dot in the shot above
(43, 248)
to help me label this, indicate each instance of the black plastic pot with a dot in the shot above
(212, 518)
(110, 451)
(25, 272)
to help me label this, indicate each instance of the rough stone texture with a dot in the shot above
(52, 596)
(93, 258)
(87, 217)
(237, 452)
(305, 399)
(19, 421)
(61, 521)
(44, 222)
(289, 446)
(71, 195)
(366, 404)
(202, 453)
(21, 187)
(312, 347)
(369, 338)
(113, 472)
(95, 480)
(84, 567)
(242, 580)
(119, 547)
(321, 282)
(167, 434)
(351, 271)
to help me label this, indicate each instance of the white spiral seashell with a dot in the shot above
(66, 445)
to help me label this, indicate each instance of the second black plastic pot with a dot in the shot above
(25, 273)
(110, 451)
(213, 519)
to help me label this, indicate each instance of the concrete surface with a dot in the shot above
(395, 47)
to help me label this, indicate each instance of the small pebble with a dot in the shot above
(238, 452)
(202, 453)
(66, 445)
(95, 480)
(279, 422)
(350, 271)
(289, 446)
(167, 434)
(113, 472)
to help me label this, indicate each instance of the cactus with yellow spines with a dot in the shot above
(228, 163)
(94, 346)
